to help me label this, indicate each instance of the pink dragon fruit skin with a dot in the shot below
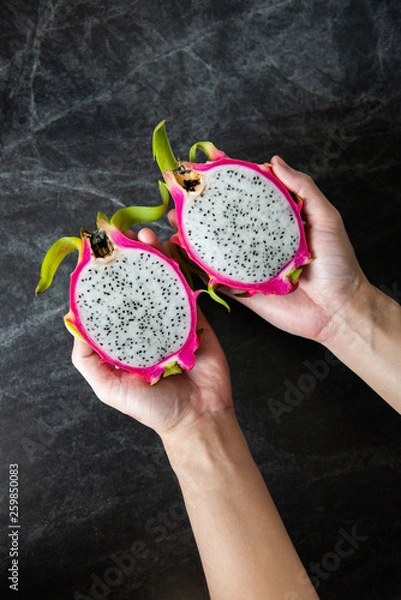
(128, 302)
(193, 184)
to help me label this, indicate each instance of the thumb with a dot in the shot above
(209, 344)
(316, 207)
(91, 367)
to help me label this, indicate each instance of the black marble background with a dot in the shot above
(82, 84)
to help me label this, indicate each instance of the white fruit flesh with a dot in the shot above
(134, 307)
(242, 226)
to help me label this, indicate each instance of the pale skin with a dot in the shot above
(335, 303)
(245, 549)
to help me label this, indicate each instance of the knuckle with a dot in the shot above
(307, 185)
(308, 180)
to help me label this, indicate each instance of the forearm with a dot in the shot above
(367, 338)
(243, 544)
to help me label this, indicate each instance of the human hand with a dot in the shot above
(176, 402)
(331, 281)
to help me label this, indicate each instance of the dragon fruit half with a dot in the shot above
(128, 301)
(235, 219)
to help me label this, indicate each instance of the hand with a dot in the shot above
(174, 402)
(328, 283)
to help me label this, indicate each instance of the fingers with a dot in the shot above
(147, 236)
(84, 359)
(89, 364)
(166, 248)
(209, 343)
(81, 354)
(172, 217)
(130, 234)
(114, 387)
(315, 204)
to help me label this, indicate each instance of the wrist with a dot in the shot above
(366, 339)
(368, 311)
(354, 319)
(206, 444)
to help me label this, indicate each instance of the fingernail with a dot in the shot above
(281, 162)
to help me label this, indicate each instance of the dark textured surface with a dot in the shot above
(82, 84)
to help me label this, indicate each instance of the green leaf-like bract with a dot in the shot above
(161, 149)
(53, 257)
(207, 148)
(134, 215)
(211, 290)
